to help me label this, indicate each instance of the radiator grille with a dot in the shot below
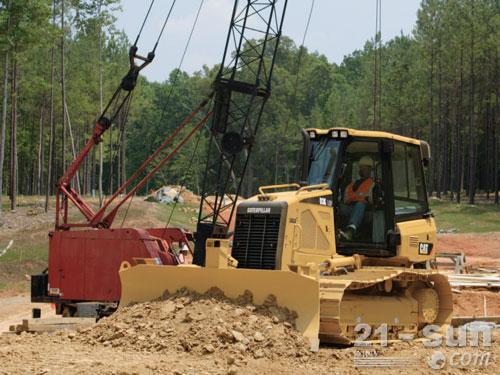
(255, 241)
(414, 240)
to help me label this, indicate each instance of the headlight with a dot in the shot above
(312, 135)
(343, 134)
(334, 134)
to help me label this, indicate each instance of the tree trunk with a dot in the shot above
(120, 148)
(32, 179)
(122, 157)
(437, 134)
(445, 183)
(85, 180)
(50, 166)
(4, 113)
(110, 161)
(460, 159)
(41, 150)
(431, 123)
(4, 123)
(101, 148)
(63, 95)
(73, 148)
(487, 140)
(495, 125)
(13, 138)
(119, 159)
(472, 142)
(93, 172)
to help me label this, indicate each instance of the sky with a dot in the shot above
(337, 28)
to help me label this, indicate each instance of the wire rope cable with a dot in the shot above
(181, 188)
(164, 24)
(377, 67)
(295, 89)
(179, 66)
(186, 47)
(127, 100)
(174, 82)
(143, 23)
(172, 87)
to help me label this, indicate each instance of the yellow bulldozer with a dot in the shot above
(353, 244)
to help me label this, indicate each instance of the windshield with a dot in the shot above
(324, 155)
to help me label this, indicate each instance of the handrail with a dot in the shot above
(269, 187)
(322, 186)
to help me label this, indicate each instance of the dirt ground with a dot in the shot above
(480, 249)
(60, 354)
(191, 334)
(64, 353)
(469, 302)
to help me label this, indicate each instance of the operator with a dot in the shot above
(357, 197)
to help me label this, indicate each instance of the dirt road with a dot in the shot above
(184, 336)
(52, 354)
(14, 309)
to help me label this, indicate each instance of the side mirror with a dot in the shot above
(425, 151)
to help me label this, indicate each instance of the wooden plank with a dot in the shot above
(486, 270)
(485, 284)
(61, 320)
(20, 328)
(460, 320)
(56, 327)
(51, 324)
(475, 277)
(474, 280)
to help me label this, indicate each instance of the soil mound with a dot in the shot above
(203, 324)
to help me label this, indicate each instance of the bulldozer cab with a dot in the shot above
(377, 180)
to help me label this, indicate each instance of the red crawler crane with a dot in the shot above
(84, 257)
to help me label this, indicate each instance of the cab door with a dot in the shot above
(370, 237)
(413, 223)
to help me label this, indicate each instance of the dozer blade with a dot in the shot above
(147, 282)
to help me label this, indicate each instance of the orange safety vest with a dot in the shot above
(363, 191)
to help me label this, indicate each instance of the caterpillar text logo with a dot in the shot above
(259, 210)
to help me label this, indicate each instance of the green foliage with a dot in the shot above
(426, 80)
(478, 218)
(24, 23)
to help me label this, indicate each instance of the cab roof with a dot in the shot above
(368, 134)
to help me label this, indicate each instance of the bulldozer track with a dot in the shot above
(378, 296)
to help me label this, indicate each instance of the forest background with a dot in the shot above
(61, 60)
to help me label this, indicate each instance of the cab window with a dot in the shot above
(323, 158)
(408, 180)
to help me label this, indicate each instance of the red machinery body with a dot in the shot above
(84, 264)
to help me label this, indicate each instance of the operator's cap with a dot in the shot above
(366, 161)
